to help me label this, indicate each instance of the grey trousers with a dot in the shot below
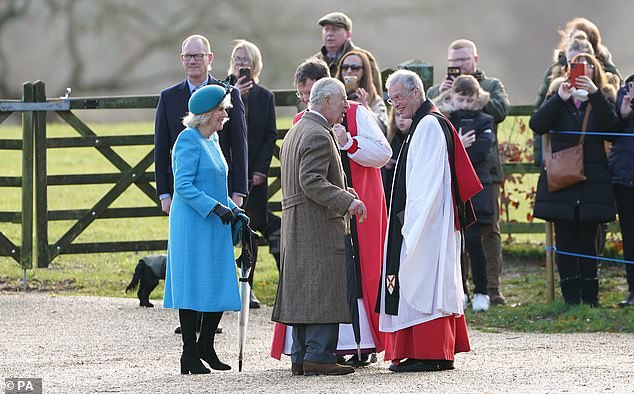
(315, 343)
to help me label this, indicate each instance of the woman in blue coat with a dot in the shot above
(201, 274)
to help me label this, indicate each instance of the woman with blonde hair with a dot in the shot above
(244, 71)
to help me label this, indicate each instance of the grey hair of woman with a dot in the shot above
(326, 87)
(195, 121)
(408, 78)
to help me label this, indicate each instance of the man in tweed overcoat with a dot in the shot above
(311, 292)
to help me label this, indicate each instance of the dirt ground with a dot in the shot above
(93, 344)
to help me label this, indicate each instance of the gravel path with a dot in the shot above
(93, 344)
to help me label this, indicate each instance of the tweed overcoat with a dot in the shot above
(312, 283)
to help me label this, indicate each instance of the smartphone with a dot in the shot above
(576, 70)
(466, 124)
(453, 72)
(245, 72)
(351, 82)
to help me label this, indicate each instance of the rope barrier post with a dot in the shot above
(550, 259)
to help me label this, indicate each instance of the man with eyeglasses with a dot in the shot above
(196, 57)
(420, 293)
(464, 54)
(336, 32)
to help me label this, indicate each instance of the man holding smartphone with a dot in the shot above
(463, 54)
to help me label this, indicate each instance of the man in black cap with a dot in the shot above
(336, 30)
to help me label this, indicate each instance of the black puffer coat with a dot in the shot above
(593, 197)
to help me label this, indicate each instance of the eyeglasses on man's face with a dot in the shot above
(353, 67)
(395, 100)
(196, 56)
(302, 96)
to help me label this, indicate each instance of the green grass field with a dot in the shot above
(108, 274)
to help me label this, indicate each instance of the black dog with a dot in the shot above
(149, 271)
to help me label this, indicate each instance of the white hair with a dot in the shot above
(325, 87)
(408, 78)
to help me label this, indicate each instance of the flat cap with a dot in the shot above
(206, 98)
(337, 19)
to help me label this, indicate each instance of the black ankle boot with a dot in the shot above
(190, 361)
(206, 341)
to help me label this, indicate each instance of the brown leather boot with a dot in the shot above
(312, 369)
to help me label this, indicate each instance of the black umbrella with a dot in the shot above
(245, 262)
(353, 273)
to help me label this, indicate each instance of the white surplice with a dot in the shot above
(429, 272)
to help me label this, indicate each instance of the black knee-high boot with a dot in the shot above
(206, 341)
(190, 360)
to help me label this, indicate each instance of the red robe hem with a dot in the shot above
(438, 339)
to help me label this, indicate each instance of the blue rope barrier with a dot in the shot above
(587, 256)
(603, 133)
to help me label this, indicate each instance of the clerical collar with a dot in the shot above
(193, 87)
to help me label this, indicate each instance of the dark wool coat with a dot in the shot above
(621, 156)
(312, 283)
(262, 134)
(480, 156)
(593, 197)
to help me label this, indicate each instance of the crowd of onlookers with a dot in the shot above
(582, 102)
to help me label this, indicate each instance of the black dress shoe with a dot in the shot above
(365, 360)
(628, 301)
(414, 365)
(445, 364)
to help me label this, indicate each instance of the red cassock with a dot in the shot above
(367, 182)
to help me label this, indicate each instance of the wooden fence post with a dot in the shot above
(550, 263)
(26, 250)
(40, 184)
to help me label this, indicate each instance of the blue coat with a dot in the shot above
(172, 106)
(201, 272)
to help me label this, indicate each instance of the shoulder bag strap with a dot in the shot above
(584, 124)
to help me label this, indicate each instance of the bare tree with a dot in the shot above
(10, 11)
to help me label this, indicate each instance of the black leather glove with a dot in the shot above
(239, 214)
(224, 213)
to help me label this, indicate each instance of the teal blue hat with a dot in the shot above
(206, 98)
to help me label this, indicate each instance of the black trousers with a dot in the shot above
(624, 196)
(477, 258)
(578, 275)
